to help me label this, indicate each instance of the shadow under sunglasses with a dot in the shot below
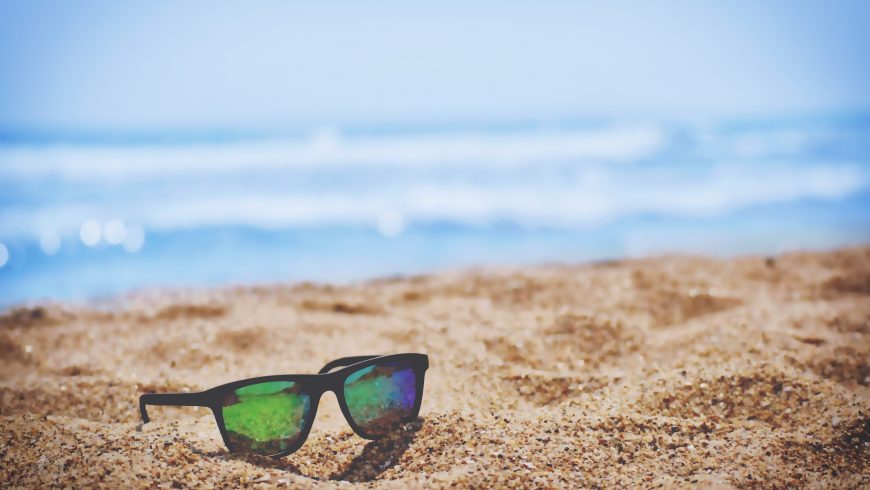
(376, 457)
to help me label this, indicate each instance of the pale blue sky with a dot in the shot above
(260, 64)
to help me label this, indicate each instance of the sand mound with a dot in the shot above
(670, 371)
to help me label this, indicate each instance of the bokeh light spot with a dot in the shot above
(49, 242)
(391, 224)
(114, 231)
(90, 233)
(134, 238)
(4, 254)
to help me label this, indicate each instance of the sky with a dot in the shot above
(119, 65)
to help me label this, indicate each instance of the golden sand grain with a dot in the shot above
(674, 371)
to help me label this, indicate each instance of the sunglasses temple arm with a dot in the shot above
(169, 399)
(344, 361)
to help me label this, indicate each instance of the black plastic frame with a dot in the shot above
(313, 385)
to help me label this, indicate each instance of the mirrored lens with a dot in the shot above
(380, 397)
(265, 418)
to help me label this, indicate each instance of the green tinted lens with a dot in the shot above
(265, 418)
(379, 397)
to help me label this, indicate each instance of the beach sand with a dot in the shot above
(674, 371)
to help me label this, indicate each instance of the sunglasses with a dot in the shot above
(272, 415)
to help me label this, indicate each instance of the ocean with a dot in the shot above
(87, 215)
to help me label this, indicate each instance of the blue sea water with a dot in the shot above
(86, 215)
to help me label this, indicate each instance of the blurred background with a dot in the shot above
(158, 143)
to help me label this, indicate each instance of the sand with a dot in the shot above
(673, 371)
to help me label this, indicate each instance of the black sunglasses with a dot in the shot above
(272, 415)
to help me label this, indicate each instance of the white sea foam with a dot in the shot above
(581, 200)
(327, 148)
(554, 178)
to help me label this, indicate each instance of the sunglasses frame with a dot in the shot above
(313, 385)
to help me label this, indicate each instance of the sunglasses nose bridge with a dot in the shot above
(335, 385)
(332, 416)
(329, 383)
